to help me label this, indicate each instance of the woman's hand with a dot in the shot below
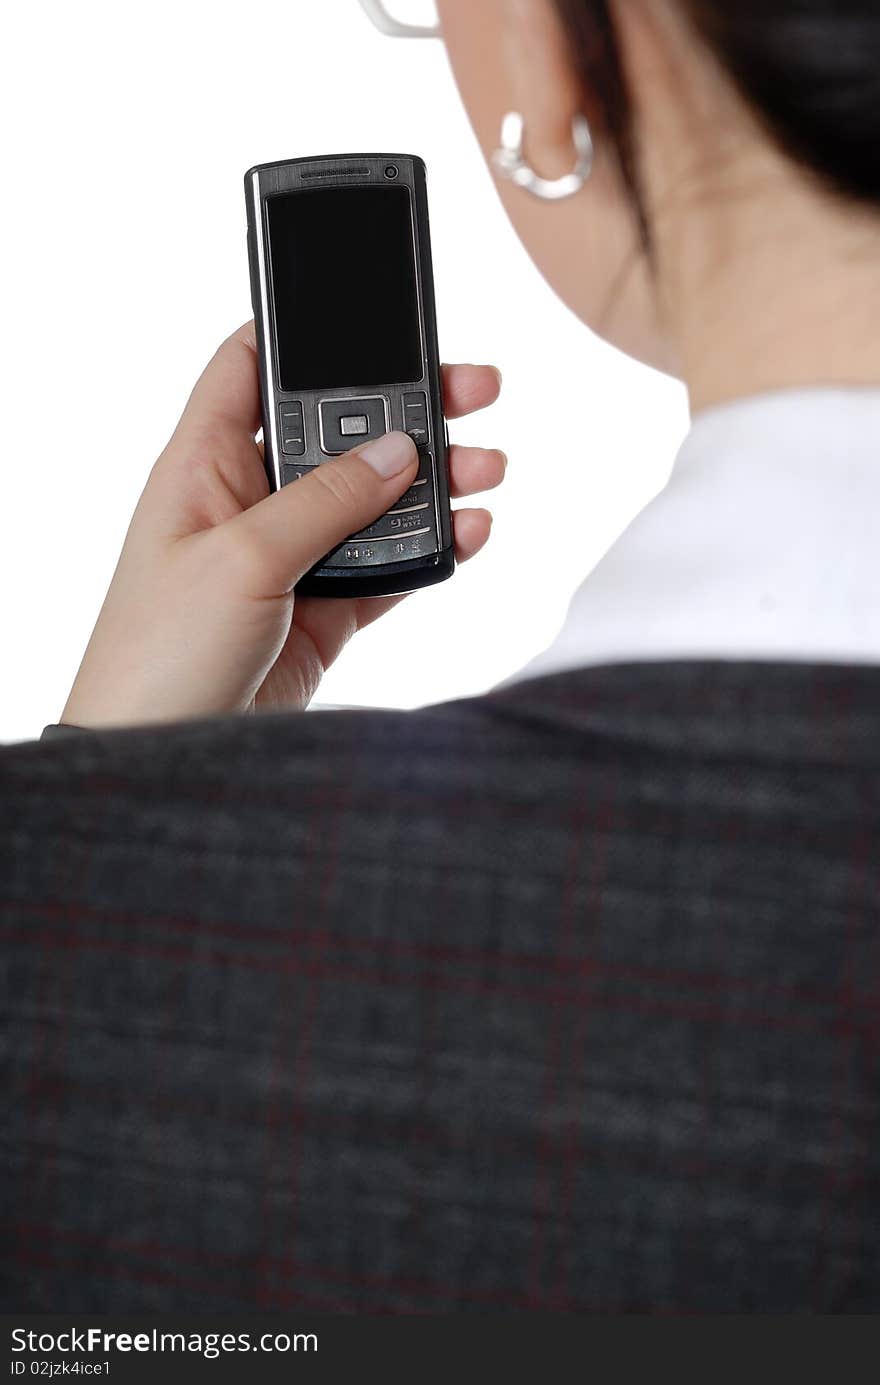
(200, 617)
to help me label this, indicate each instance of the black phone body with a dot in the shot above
(342, 286)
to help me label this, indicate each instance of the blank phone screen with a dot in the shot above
(344, 287)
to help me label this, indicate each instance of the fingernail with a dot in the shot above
(390, 454)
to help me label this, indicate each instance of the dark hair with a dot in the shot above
(809, 68)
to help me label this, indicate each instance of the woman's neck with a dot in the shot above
(774, 285)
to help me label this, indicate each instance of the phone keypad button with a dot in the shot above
(293, 429)
(418, 493)
(415, 417)
(410, 508)
(407, 522)
(294, 473)
(354, 426)
(414, 520)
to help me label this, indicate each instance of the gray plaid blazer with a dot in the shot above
(566, 998)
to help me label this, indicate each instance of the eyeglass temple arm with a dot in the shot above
(394, 28)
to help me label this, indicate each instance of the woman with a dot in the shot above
(563, 998)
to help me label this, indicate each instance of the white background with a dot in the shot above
(128, 129)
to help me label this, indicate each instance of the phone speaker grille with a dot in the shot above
(337, 173)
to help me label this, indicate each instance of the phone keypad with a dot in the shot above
(408, 531)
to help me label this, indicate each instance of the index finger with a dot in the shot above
(227, 392)
(467, 388)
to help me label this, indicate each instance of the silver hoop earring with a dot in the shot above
(510, 160)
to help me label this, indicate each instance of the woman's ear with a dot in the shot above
(517, 55)
(542, 82)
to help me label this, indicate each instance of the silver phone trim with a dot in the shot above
(262, 266)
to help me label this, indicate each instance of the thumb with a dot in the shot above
(293, 529)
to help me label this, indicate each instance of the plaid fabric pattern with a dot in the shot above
(566, 998)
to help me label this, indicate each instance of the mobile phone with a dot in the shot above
(342, 285)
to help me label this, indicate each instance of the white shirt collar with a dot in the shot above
(763, 545)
